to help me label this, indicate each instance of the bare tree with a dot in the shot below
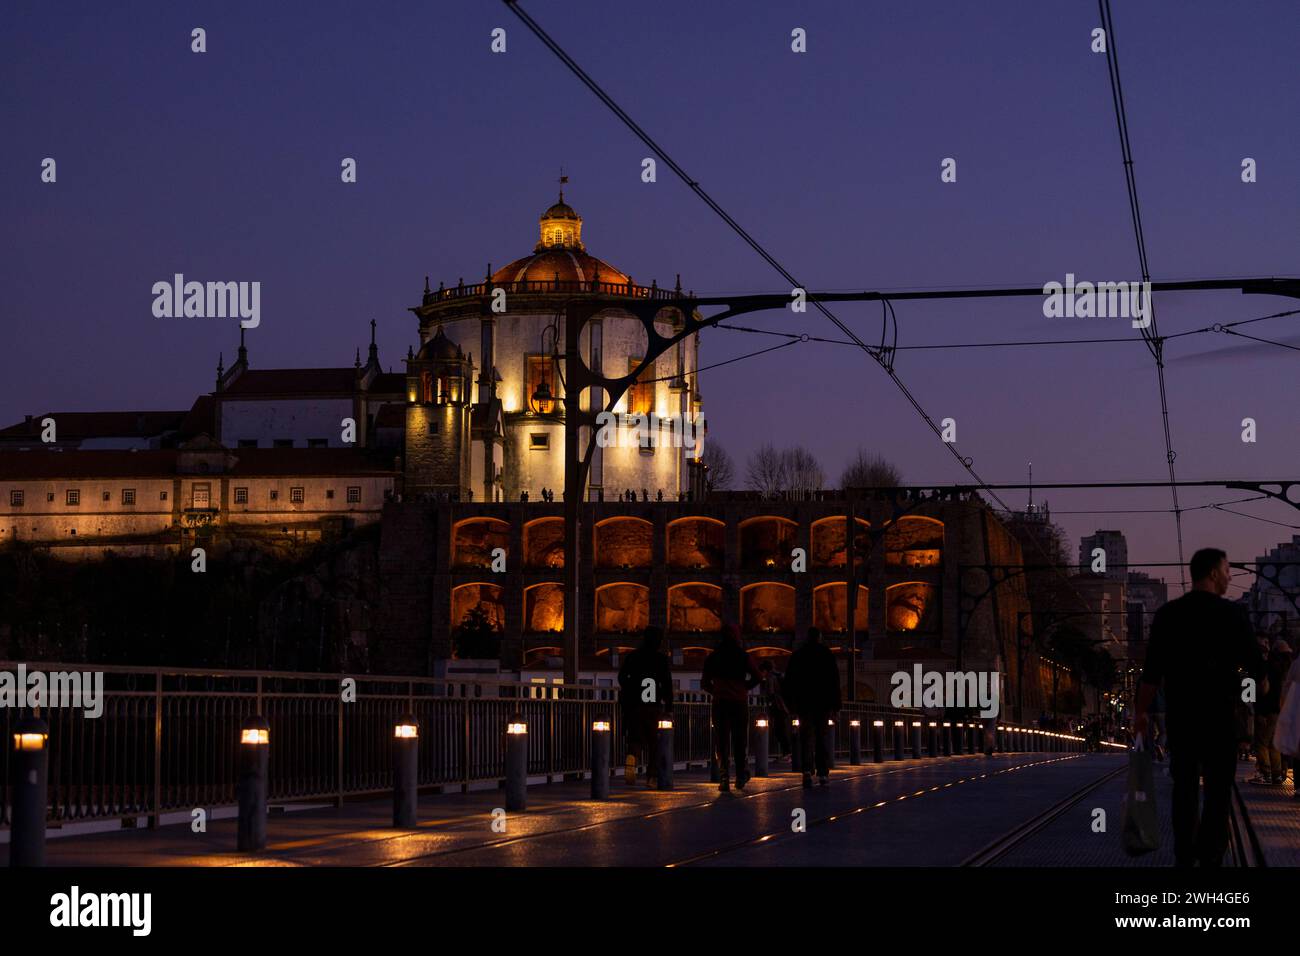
(720, 472)
(802, 472)
(775, 472)
(870, 471)
(766, 470)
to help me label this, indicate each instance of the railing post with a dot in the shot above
(156, 815)
(466, 747)
(338, 750)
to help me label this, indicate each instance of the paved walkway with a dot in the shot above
(928, 812)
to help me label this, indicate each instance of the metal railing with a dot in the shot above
(167, 738)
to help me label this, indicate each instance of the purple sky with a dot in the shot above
(225, 166)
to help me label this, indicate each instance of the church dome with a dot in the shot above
(566, 265)
(560, 255)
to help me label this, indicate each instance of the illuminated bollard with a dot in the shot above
(878, 741)
(761, 745)
(963, 739)
(916, 740)
(254, 760)
(1001, 739)
(898, 739)
(406, 768)
(855, 742)
(947, 738)
(600, 759)
(714, 775)
(665, 754)
(517, 764)
(796, 747)
(932, 741)
(31, 773)
(832, 742)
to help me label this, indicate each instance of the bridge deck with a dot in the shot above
(927, 812)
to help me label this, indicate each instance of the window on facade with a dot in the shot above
(329, 494)
(201, 496)
(295, 496)
(248, 443)
(128, 496)
(49, 497)
(318, 442)
(162, 496)
(108, 496)
(241, 496)
(541, 368)
(275, 494)
(539, 441)
(641, 396)
(354, 494)
(15, 499)
(284, 443)
(74, 496)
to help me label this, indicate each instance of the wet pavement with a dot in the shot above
(926, 812)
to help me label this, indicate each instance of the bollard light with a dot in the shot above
(254, 761)
(855, 723)
(29, 794)
(516, 763)
(600, 759)
(762, 746)
(30, 741)
(406, 764)
(664, 754)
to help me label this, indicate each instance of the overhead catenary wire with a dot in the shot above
(1150, 332)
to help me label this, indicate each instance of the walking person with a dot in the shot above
(1286, 738)
(778, 712)
(812, 687)
(1199, 644)
(645, 691)
(1269, 767)
(729, 673)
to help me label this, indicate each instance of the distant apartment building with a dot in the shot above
(1114, 546)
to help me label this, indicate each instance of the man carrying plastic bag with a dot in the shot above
(1141, 823)
(1200, 645)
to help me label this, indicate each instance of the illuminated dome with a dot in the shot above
(560, 254)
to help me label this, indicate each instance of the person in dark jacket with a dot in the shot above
(645, 685)
(1199, 648)
(1271, 769)
(729, 673)
(812, 690)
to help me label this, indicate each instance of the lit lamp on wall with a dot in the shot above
(541, 401)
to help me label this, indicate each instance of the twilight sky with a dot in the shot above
(225, 166)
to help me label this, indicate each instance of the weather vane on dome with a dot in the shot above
(563, 179)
